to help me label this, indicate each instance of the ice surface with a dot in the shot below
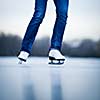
(77, 79)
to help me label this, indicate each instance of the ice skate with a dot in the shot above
(22, 57)
(56, 57)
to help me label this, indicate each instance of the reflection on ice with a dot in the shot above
(56, 84)
(28, 86)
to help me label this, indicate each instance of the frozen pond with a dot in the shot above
(77, 79)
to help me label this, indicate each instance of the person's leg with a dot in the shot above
(59, 27)
(40, 8)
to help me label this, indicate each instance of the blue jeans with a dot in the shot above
(59, 27)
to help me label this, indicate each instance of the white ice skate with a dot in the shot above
(23, 57)
(56, 57)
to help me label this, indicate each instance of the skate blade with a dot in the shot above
(21, 61)
(56, 62)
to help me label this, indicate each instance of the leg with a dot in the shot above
(40, 8)
(59, 27)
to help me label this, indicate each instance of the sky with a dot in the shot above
(83, 18)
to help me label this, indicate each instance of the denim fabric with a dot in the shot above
(59, 27)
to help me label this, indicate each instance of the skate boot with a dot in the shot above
(23, 57)
(56, 57)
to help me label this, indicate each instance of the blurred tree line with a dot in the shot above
(10, 46)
